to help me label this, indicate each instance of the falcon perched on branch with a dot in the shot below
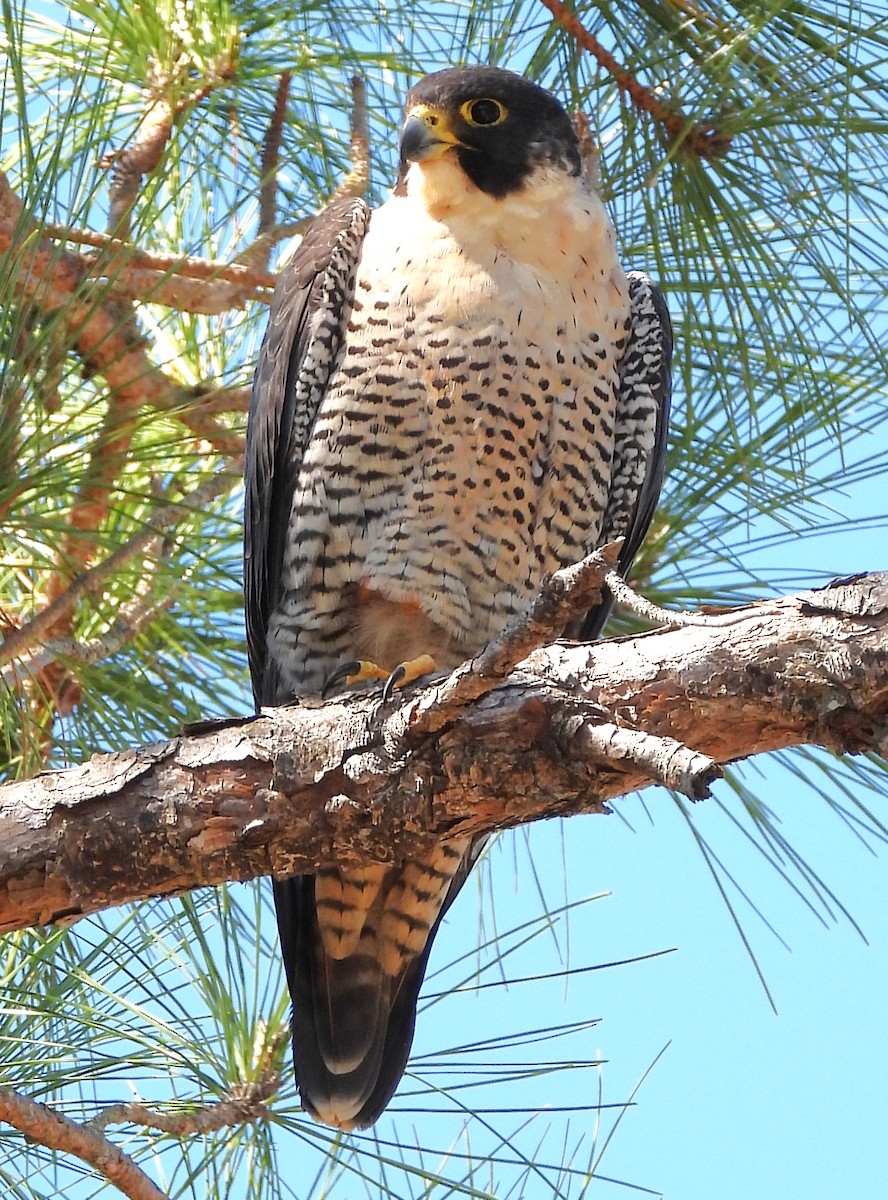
(458, 393)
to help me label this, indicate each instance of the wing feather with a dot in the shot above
(641, 425)
(309, 315)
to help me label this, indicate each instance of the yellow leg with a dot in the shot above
(359, 670)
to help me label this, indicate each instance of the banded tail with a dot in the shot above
(355, 947)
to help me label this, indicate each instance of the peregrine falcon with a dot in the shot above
(458, 393)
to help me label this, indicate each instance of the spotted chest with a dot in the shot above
(463, 447)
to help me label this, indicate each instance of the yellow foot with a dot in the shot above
(406, 672)
(359, 670)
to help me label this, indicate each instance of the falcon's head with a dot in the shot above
(499, 126)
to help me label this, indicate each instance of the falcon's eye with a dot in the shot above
(483, 112)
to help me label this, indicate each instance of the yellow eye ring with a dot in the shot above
(483, 112)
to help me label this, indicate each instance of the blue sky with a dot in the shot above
(744, 1102)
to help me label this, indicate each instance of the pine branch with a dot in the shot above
(196, 285)
(133, 617)
(357, 180)
(242, 1106)
(44, 1125)
(52, 280)
(705, 140)
(167, 100)
(572, 728)
(269, 158)
(354, 183)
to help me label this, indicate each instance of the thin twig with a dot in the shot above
(197, 416)
(705, 140)
(206, 297)
(191, 267)
(220, 400)
(243, 1106)
(52, 279)
(49, 1128)
(270, 157)
(672, 619)
(260, 248)
(356, 181)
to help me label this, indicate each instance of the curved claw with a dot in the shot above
(347, 672)
(406, 672)
(392, 682)
(342, 674)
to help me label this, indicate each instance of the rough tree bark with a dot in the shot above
(573, 727)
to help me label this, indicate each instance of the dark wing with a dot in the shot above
(642, 421)
(309, 315)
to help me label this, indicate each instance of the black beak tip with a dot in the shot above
(416, 140)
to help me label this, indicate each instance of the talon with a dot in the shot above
(392, 682)
(406, 672)
(358, 670)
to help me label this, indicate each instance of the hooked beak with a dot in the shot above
(425, 134)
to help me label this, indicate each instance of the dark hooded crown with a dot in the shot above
(502, 126)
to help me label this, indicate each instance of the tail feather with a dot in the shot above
(354, 1012)
(350, 1005)
(343, 902)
